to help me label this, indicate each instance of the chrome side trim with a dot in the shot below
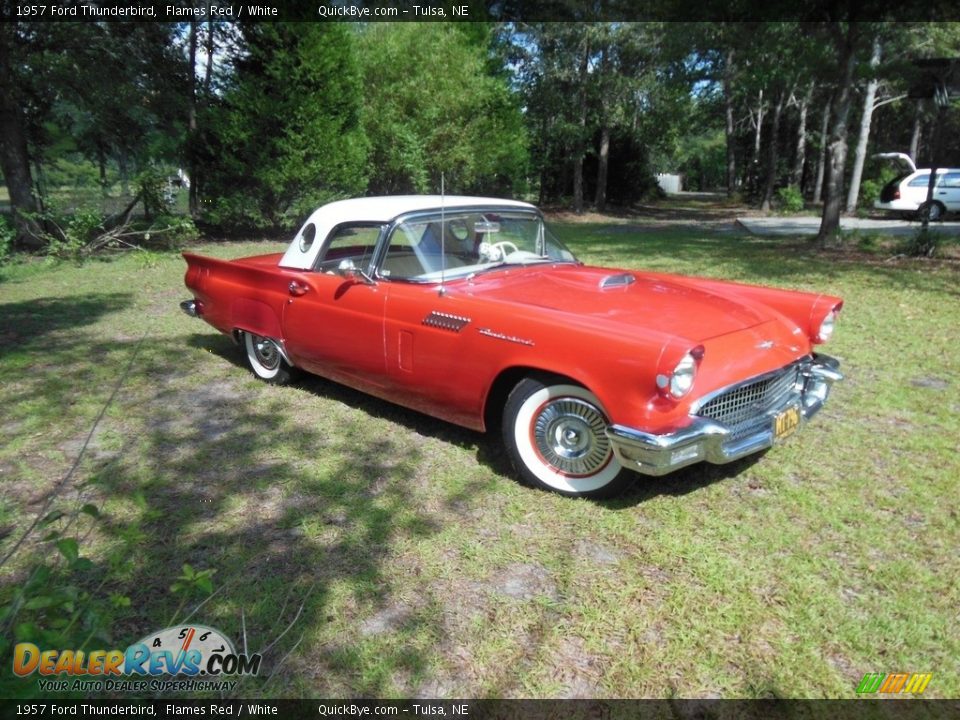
(509, 338)
(707, 440)
(282, 348)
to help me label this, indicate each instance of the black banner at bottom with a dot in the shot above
(490, 709)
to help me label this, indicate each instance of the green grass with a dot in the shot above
(418, 566)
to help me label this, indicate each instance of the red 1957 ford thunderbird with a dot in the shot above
(470, 310)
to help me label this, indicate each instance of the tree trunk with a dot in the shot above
(757, 138)
(866, 118)
(102, 163)
(604, 163)
(39, 183)
(14, 158)
(194, 198)
(800, 157)
(822, 156)
(915, 134)
(208, 74)
(936, 149)
(16, 175)
(773, 154)
(581, 140)
(124, 174)
(837, 150)
(729, 130)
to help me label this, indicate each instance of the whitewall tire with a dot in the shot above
(555, 436)
(266, 360)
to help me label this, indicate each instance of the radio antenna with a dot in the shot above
(443, 236)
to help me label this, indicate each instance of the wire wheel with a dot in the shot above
(266, 353)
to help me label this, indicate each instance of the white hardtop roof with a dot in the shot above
(377, 210)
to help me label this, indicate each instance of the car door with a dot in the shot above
(430, 343)
(948, 191)
(433, 362)
(332, 323)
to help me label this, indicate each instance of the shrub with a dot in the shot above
(791, 199)
(73, 233)
(153, 184)
(923, 243)
(870, 192)
(7, 237)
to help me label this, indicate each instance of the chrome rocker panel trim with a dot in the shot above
(706, 440)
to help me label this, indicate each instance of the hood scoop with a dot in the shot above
(616, 281)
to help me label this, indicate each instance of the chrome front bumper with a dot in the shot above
(708, 440)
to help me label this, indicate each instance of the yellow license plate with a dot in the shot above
(786, 423)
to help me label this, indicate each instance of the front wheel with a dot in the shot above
(555, 434)
(265, 359)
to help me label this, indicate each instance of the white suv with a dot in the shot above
(907, 192)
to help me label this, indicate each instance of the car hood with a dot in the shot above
(601, 296)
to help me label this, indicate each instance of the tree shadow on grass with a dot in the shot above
(297, 522)
(29, 322)
(224, 348)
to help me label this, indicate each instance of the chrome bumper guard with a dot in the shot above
(190, 308)
(708, 440)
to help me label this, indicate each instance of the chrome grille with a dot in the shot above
(742, 408)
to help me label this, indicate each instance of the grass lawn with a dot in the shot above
(376, 552)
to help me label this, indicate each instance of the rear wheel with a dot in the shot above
(932, 211)
(555, 434)
(266, 360)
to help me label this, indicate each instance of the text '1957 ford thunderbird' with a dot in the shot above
(470, 310)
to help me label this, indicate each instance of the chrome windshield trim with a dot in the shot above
(383, 243)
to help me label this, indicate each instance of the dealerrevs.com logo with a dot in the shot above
(195, 656)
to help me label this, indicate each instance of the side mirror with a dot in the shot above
(348, 271)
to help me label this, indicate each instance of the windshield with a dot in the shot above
(459, 243)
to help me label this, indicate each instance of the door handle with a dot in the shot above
(297, 288)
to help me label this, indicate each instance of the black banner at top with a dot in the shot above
(478, 10)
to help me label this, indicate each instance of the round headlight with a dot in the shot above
(826, 327)
(681, 380)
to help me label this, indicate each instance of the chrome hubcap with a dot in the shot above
(569, 435)
(266, 352)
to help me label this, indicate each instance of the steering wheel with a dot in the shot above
(502, 247)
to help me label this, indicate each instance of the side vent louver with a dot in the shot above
(445, 321)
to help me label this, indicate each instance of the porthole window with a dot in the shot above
(307, 237)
